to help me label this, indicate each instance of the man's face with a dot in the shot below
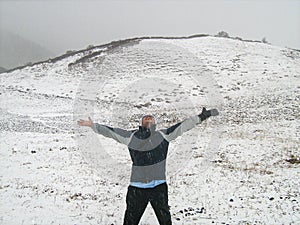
(147, 121)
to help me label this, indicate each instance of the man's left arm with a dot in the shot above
(178, 129)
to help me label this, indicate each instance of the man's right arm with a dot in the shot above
(120, 135)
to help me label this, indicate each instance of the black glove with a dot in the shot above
(207, 113)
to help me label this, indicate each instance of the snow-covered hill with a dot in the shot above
(241, 167)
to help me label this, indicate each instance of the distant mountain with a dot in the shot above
(2, 69)
(17, 50)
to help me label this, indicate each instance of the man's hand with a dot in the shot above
(207, 113)
(87, 123)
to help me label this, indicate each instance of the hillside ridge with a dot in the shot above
(114, 44)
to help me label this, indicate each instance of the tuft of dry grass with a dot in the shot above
(293, 159)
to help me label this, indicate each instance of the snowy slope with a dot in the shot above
(231, 169)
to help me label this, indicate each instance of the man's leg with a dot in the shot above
(159, 202)
(136, 202)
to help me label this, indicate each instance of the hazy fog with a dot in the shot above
(63, 25)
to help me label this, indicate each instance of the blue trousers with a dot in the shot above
(137, 200)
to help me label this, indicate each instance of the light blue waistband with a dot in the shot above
(151, 184)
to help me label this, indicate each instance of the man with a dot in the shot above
(148, 149)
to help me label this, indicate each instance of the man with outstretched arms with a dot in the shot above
(148, 149)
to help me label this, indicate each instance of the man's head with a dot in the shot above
(148, 120)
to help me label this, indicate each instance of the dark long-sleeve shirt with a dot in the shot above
(148, 148)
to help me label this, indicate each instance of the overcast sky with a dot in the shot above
(66, 25)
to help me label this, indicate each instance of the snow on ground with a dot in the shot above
(231, 169)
